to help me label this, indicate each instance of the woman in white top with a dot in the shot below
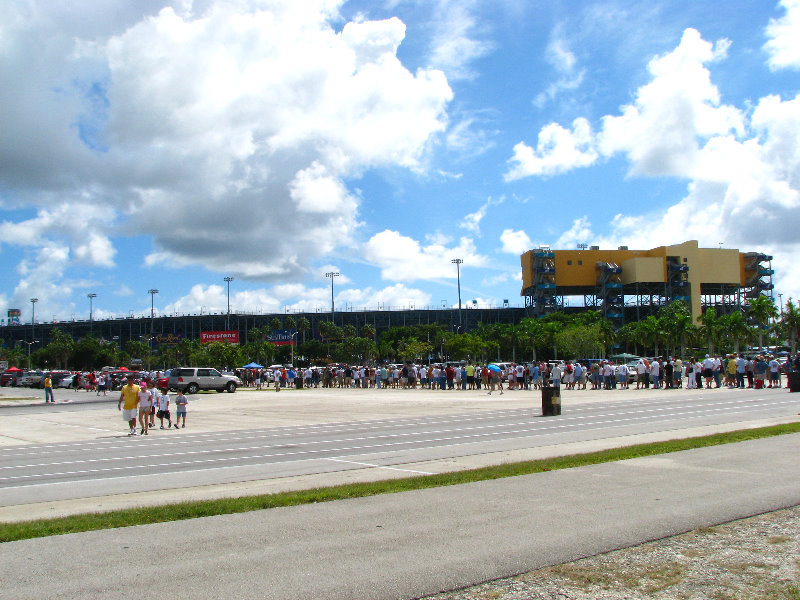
(145, 404)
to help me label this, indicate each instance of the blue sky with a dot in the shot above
(170, 144)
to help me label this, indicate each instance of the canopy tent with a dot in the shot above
(14, 370)
(494, 368)
(253, 365)
(624, 356)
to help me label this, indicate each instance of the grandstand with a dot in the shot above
(626, 285)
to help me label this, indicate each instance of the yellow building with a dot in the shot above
(627, 284)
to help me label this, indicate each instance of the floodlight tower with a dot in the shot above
(458, 262)
(332, 274)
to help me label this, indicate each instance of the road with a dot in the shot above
(421, 437)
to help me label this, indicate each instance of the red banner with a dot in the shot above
(230, 337)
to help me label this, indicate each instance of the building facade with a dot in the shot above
(626, 285)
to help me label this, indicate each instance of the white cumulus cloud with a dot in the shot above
(558, 150)
(224, 130)
(403, 258)
(515, 242)
(783, 45)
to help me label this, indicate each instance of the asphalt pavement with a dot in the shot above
(416, 543)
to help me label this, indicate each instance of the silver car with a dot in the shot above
(193, 379)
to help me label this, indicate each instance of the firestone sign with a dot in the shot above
(230, 337)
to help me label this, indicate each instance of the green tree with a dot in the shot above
(734, 328)
(651, 331)
(580, 341)
(710, 328)
(790, 321)
(138, 349)
(60, 348)
(349, 331)
(368, 331)
(628, 334)
(290, 323)
(465, 346)
(762, 310)
(414, 350)
(303, 325)
(275, 324)
(531, 335)
(678, 325)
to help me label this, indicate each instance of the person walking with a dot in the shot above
(48, 389)
(180, 408)
(128, 403)
(163, 407)
(145, 401)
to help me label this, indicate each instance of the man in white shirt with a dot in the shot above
(774, 372)
(655, 373)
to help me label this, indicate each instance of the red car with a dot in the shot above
(10, 378)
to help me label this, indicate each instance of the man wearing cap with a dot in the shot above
(129, 403)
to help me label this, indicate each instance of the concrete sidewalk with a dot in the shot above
(416, 543)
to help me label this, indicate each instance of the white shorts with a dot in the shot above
(129, 414)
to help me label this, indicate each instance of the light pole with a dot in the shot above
(458, 262)
(91, 297)
(33, 316)
(291, 347)
(29, 353)
(152, 293)
(228, 320)
(780, 304)
(332, 274)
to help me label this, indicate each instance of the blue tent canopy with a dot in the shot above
(253, 365)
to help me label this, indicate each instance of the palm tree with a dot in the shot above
(709, 327)
(275, 324)
(303, 325)
(678, 324)
(628, 335)
(734, 327)
(790, 320)
(368, 331)
(762, 309)
(651, 332)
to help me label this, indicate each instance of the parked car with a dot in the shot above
(193, 379)
(32, 379)
(10, 378)
(56, 376)
(65, 382)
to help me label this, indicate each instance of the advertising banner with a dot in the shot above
(230, 337)
(283, 337)
(14, 315)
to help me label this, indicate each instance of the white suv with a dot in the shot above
(193, 379)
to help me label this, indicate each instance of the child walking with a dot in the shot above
(180, 408)
(163, 408)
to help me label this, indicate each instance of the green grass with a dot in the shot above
(192, 510)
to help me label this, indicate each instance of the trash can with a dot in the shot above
(551, 401)
(794, 381)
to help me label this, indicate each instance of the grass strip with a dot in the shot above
(207, 508)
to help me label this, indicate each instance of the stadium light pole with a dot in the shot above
(29, 353)
(33, 317)
(332, 274)
(152, 293)
(458, 262)
(91, 297)
(228, 320)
